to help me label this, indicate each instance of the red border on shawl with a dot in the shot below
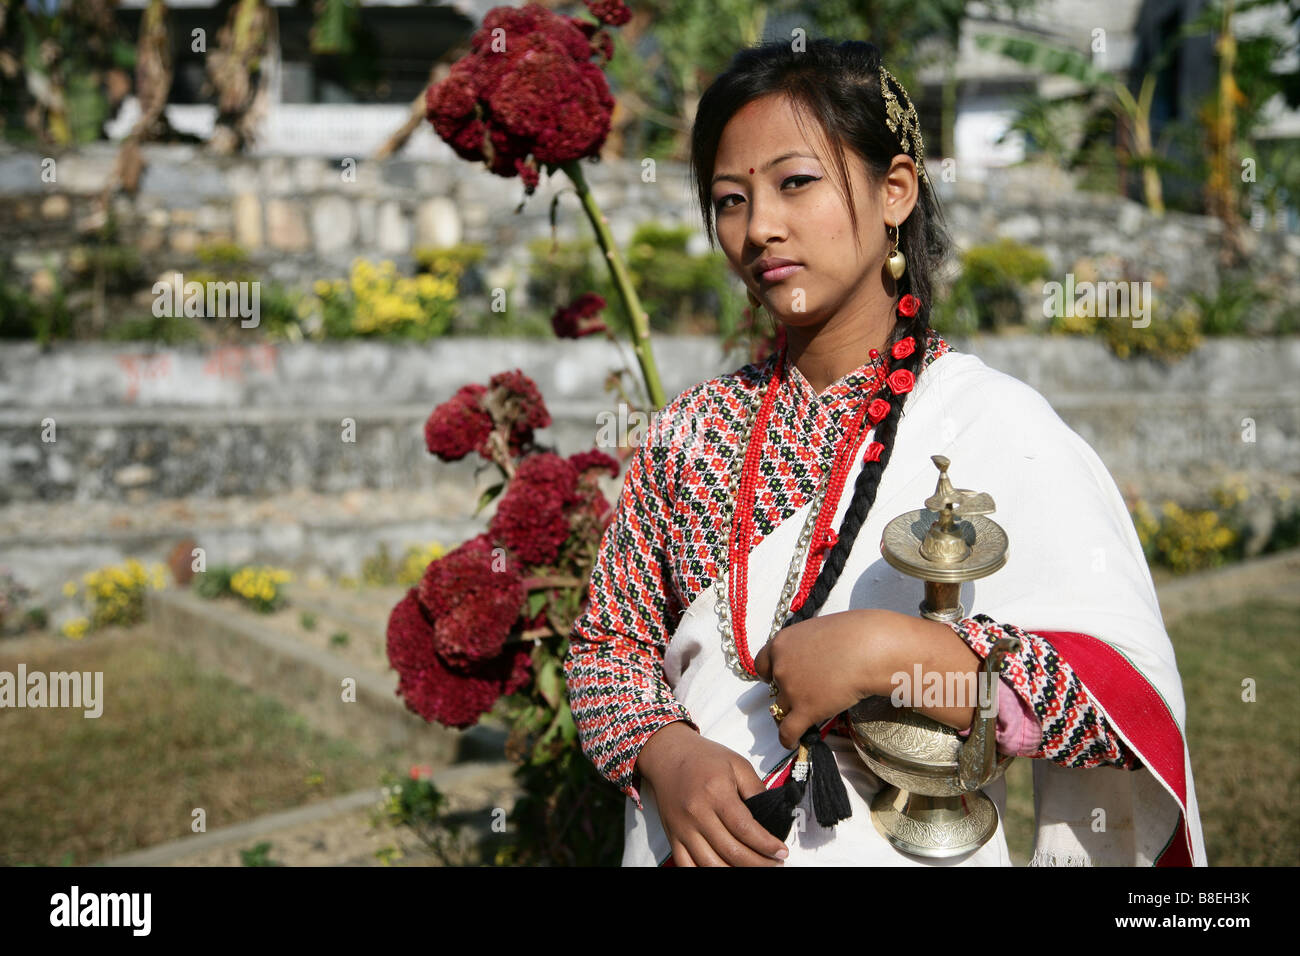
(1140, 713)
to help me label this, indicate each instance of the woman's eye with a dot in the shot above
(799, 180)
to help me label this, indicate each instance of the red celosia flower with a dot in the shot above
(459, 425)
(473, 596)
(532, 516)
(459, 698)
(612, 12)
(597, 507)
(454, 697)
(548, 470)
(410, 635)
(593, 460)
(525, 95)
(569, 321)
(523, 407)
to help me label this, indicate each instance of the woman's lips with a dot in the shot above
(780, 272)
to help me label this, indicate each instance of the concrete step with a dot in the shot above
(338, 832)
(328, 535)
(272, 655)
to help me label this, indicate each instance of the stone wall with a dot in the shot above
(138, 426)
(304, 218)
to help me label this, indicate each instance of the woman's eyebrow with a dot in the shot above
(770, 164)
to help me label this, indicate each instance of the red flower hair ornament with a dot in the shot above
(901, 380)
(903, 348)
(908, 306)
(877, 410)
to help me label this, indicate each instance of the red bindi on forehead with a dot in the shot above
(751, 170)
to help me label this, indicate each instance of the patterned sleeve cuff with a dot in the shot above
(1074, 733)
(619, 699)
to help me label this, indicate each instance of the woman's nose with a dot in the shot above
(765, 223)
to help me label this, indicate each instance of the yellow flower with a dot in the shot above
(69, 588)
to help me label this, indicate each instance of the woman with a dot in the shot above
(743, 559)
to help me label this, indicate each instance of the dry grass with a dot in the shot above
(74, 790)
(1245, 756)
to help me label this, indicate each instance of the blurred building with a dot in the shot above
(318, 106)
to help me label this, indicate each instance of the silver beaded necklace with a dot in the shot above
(793, 576)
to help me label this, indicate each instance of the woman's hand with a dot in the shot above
(700, 787)
(822, 666)
(826, 664)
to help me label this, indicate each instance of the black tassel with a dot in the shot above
(774, 808)
(829, 798)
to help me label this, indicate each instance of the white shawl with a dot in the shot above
(1075, 573)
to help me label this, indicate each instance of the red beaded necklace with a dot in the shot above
(824, 537)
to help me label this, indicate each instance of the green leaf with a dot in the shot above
(568, 730)
(536, 601)
(335, 25)
(550, 682)
(486, 498)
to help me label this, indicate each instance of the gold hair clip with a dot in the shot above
(903, 123)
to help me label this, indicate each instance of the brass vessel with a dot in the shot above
(933, 806)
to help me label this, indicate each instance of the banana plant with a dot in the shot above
(238, 72)
(1101, 87)
(66, 58)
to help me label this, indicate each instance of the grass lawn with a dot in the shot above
(74, 790)
(171, 739)
(1245, 756)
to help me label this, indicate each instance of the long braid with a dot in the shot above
(868, 482)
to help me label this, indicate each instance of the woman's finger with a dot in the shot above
(731, 848)
(701, 851)
(763, 662)
(742, 825)
(681, 856)
(793, 727)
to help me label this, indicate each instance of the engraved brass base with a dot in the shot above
(934, 827)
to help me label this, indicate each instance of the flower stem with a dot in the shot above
(623, 282)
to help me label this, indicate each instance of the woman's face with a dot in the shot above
(775, 196)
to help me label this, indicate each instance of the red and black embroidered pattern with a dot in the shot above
(1074, 734)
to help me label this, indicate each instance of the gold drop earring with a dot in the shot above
(897, 262)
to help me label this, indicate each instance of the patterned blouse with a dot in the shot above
(664, 546)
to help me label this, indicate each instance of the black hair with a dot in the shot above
(838, 84)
